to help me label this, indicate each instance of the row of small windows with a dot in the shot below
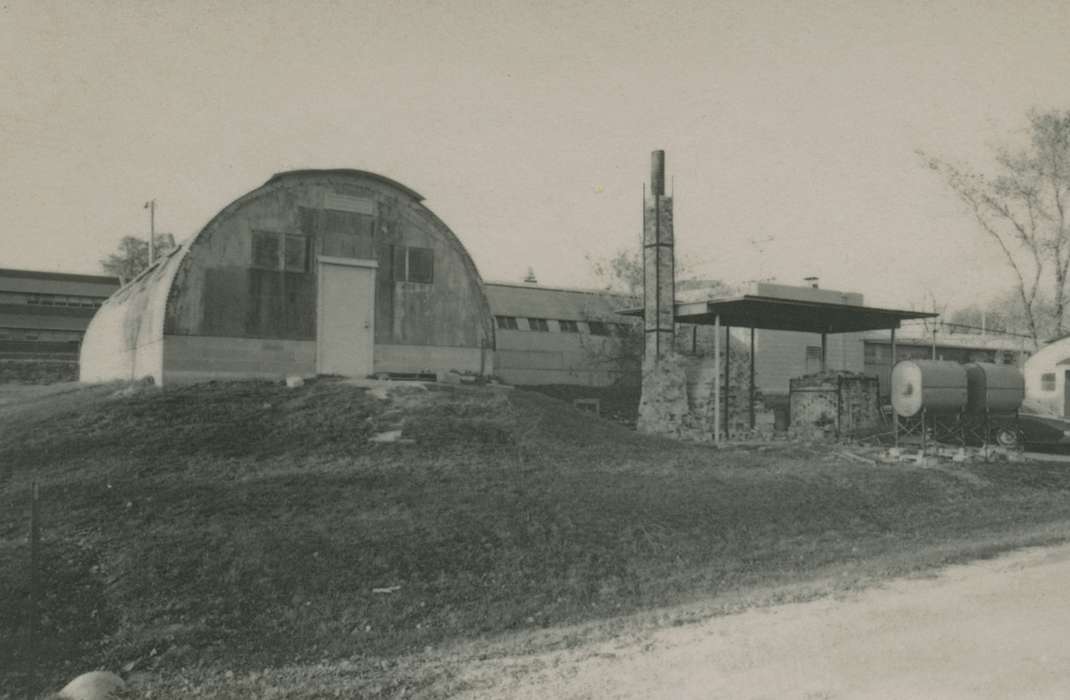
(37, 334)
(882, 354)
(290, 252)
(542, 325)
(50, 300)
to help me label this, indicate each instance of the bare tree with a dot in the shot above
(621, 272)
(1023, 209)
(1002, 315)
(132, 256)
(621, 275)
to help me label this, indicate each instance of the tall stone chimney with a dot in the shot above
(659, 268)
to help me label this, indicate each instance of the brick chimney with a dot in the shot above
(659, 268)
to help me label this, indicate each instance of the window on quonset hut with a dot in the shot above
(266, 250)
(507, 323)
(347, 234)
(421, 265)
(538, 324)
(280, 251)
(568, 326)
(1047, 381)
(296, 253)
(413, 264)
(598, 327)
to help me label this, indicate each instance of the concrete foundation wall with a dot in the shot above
(203, 358)
(200, 358)
(536, 377)
(433, 358)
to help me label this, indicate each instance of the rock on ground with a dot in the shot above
(95, 685)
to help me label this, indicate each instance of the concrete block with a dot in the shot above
(449, 377)
(95, 685)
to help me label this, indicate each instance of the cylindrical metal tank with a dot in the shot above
(995, 388)
(937, 386)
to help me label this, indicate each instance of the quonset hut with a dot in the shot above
(316, 272)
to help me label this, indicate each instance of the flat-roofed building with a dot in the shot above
(915, 343)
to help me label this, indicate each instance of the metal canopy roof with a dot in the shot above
(775, 313)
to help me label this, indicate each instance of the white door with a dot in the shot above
(345, 318)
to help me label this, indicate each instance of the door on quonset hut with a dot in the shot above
(345, 333)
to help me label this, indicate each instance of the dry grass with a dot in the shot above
(243, 526)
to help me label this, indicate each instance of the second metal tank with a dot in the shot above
(995, 388)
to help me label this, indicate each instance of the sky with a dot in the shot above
(791, 128)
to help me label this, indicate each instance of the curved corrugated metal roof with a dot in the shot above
(347, 172)
(532, 301)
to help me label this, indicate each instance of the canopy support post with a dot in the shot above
(895, 416)
(717, 380)
(824, 351)
(727, 377)
(752, 378)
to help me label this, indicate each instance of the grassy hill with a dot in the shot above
(244, 526)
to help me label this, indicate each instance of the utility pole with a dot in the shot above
(151, 206)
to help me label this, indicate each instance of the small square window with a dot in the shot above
(507, 323)
(296, 253)
(413, 264)
(876, 354)
(421, 265)
(266, 250)
(1047, 381)
(813, 359)
(598, 327)
(568, 326)
(538, 324)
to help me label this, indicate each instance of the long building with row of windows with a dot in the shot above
(43, 315)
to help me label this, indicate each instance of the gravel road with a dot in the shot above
(991, 629)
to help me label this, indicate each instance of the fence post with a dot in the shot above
(35, 593)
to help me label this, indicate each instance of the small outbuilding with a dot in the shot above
(1047, 379)
(316, 272)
